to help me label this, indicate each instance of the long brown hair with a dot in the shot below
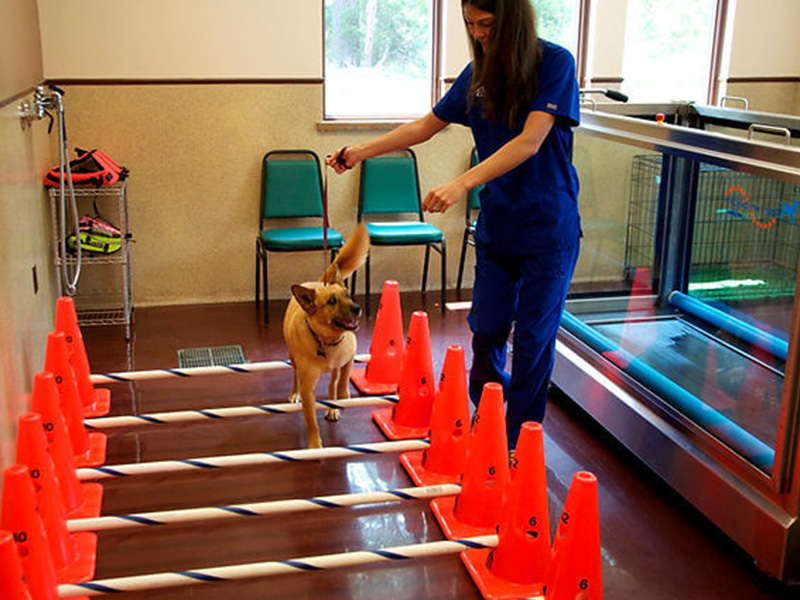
(509, 71)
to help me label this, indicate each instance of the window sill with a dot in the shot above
(361, 125)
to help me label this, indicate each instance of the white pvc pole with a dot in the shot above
(243, 460)
(266, 569)
(255, 509)
(198, 371)
(184, 416)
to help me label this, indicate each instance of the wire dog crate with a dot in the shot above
(746, 240)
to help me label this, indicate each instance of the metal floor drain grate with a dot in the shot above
(216, 356)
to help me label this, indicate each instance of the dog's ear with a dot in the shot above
(305, 296)
(333, 275)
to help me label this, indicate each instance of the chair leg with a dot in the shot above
(461, 260)
(266, 289)
(366, 286)
(425, 266)
(444, 275)
(258, 275)
(353, 283)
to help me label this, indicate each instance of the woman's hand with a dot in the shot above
(341, 160)
(439, 199)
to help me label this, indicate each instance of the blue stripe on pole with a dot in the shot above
(361, 450)
(300, 565)
(176, 372)
(473, 545)
(389, 555)
(323, 503)
(116, 377)
(109, 471)
(148, 419)
(269, 409)
(401, 495)
(200, 576)
(393, 399)
(238, 511)
(197, 463)
(281, 456)
(207, 413)
(236, 369)
(103, 589)
(139, 519)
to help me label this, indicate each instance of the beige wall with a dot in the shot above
(19, 38)
(25, 316)
(194, 153)
(181, 39)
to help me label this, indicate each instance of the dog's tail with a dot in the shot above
(351, 257)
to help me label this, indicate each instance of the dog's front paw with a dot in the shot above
(332, 414)
(295, 399)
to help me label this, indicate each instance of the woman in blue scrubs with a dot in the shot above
(520, 98)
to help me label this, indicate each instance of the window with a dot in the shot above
(668, 50)
(382, 56)
(557, 22)
(379, 58)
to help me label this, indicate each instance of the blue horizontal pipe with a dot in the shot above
(744, 331)
(751, 448)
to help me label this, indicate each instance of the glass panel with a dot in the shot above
(714, 352)
(378, 58)
(743, 271)
(618, 205)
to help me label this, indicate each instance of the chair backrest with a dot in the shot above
(390, 184)
(291, 185)
(473, 197)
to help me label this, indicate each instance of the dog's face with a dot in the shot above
(330, 309)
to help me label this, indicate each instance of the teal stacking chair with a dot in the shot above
(291, 211)
(473, 203)
(390, 204)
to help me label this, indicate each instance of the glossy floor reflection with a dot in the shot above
(654, 545)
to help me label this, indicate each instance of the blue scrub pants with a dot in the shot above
(527, 292)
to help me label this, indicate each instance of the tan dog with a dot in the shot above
(318, 328)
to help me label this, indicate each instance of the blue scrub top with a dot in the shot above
(534, 207)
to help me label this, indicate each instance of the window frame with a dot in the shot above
(440, 82)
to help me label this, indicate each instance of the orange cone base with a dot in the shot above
(95, 456)
(393, 431)
(101, 404)
(444, 511)
(412, 463)
(371, 388)
(83, 567)
(92, 500)
(493, 587)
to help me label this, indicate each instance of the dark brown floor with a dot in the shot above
(655, 547)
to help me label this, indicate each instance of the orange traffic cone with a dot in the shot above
(19, 516)
(518, 566)
(12, 583)
(82, 500)
(411, 416)
(96, 401)
(90, 449)
(477, 509)
(382, 373)
(74, 555)
(576, 567)
(444, 461)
